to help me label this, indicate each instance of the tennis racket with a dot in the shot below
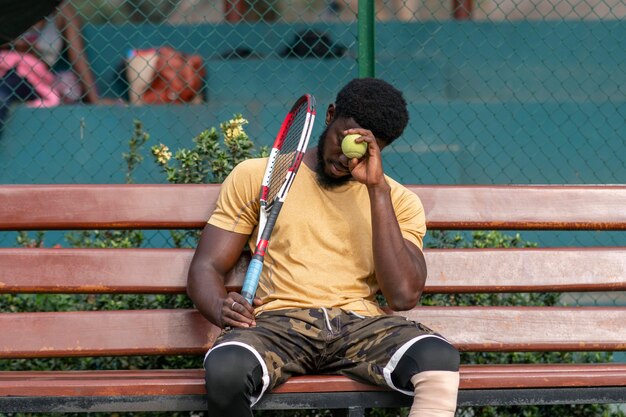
(280, 171)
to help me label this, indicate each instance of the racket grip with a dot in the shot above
(251, 281)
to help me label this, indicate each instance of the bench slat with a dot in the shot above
(152, 332)
(102, 383)
(125, 271)
(148, 206)
(105, 333)
(526, 269)
(489, 377)
(450, 270)
(544, 375)
(525, 207)
(106, 206)
(506, 329)
(191, 381)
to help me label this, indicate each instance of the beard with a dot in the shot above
(325, 180)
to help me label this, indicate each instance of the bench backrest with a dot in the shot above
(184, 331)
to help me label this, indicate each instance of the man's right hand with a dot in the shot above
(237, 312)
(217, 253)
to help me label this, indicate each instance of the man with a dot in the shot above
(345, 232)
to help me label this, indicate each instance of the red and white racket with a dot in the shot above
(282, 167)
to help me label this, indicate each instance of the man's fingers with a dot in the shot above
(237, 312)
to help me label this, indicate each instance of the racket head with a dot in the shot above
(287, 151)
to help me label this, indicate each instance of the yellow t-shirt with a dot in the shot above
(320, 252)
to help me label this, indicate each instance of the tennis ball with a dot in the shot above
(352, 149)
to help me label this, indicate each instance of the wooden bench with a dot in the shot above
(30, 335)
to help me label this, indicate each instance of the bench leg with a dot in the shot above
(355, 411)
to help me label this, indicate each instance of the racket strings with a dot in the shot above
(288, 153)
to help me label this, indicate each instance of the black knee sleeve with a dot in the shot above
(427, 354)
(233, 375)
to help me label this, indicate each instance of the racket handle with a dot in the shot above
(251, 281)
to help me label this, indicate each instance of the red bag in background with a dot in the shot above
(165, 75)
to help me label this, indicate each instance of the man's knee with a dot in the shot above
(233, 374)
(427, 354)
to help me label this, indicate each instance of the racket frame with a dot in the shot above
(269, 209)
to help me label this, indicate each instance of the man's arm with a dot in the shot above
(217, 253)
(399, 264)
(70, 25)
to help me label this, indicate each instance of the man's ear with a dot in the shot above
(330, 113)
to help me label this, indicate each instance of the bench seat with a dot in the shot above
(74, 391)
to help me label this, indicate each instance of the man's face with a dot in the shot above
(332, 165)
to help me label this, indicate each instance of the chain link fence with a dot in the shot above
(500, 91)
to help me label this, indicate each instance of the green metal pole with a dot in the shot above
(365, 23)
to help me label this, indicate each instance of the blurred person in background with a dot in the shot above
(47, 65)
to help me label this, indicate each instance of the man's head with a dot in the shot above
(375, 105)
(368, 103)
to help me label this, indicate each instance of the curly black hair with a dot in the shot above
(375, 105)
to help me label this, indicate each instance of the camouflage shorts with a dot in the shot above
(326, 341)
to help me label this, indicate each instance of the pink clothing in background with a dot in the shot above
(37, 73)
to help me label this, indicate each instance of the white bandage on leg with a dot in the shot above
(435, 394)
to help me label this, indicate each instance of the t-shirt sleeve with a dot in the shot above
(237, 206)
(411, 217)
